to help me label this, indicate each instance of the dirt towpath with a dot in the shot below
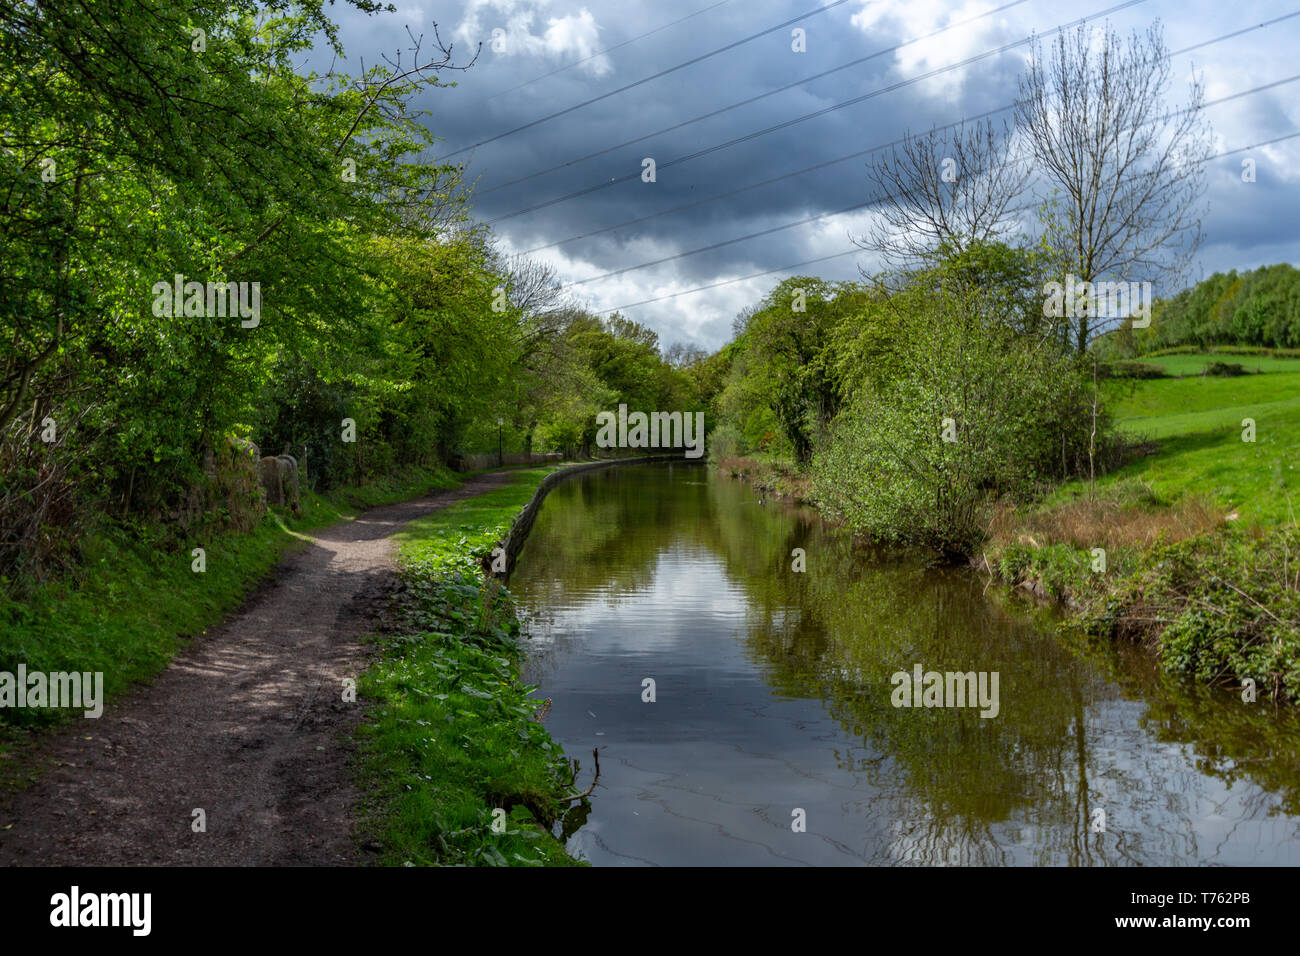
(247, 723)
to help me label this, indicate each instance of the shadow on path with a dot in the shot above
(246, 723)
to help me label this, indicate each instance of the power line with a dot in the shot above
(872, 202)
(1236, 33)
(753, 275)
(807, 116)
(730, 242)
(1242, 149)
(616, 46)
(640, 82)
(768, 272)
(753, 99)
(856, 249)
(765, 182)
(872, 149)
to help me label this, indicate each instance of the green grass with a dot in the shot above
(451, 738)
(1196, 424)
(1221, 605)
(1160, 403)
(475, 520)
(134, 600)
(1194, 363)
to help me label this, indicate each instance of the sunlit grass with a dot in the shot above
(1196, 426)
(1194, 363)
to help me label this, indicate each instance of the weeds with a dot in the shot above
(453, 743)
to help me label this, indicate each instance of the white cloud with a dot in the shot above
(565, 38)
(881, 20)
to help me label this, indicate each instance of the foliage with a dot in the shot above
(626, 367)
(1260, 307)
(962, 409)
(137, 149)
(1224, 369)
(1224, 608)
(453, 736)
(1215, 599)
(1133, 370)
(784, 379)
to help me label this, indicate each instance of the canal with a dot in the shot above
(748, 713)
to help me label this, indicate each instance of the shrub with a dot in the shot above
(1133, 370)
(1220, 608)
(1224, 369)
(971, 410)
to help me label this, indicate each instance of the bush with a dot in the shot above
(39, 517)
(726, 441)
(1220, 608)
(1223, 369)
(971, 411)
(1133, 370)
(304, 416)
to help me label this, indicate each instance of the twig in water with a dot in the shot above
(595, 755)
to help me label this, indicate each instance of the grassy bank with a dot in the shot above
(451, 736)
(769, 475)
(134, 599)
(1192, 548)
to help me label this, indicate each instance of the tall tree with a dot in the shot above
(792, 334)
(1128, 173)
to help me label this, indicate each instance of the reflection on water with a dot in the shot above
(773, 694)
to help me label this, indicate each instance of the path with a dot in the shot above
(247, 723)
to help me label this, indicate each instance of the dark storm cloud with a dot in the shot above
(758, 67)
(1249, 223)
(542, 37)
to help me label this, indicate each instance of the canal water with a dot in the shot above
(773, 736)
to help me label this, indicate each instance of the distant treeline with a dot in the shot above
(1256, 308)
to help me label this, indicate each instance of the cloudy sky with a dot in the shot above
(551, 55)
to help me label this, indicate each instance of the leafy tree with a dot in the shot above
(969, 409)
(790, 339)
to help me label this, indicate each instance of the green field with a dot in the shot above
(1193, 363)
(1198, 528)
(1196, 425)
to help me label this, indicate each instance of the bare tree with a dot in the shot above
(532, 287)
(942, 190)
(1127, 177)
(684, 354)
(741, 322)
